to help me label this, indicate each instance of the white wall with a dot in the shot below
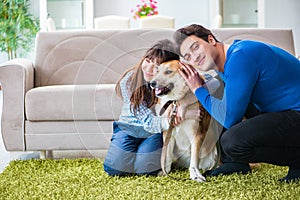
(284, 14)
(3, 57)
(278, 13)
(185, 12)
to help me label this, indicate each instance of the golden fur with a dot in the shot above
(186, 148)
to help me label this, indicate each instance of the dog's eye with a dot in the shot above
(168, 72)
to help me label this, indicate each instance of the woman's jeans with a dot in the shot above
(130, 154)
(270, 137)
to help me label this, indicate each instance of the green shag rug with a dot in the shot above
(85, 179)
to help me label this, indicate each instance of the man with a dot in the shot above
(256, 74)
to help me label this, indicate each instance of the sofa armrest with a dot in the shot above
(16, 78)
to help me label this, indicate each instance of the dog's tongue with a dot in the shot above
(158, 91)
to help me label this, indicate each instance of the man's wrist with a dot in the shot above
(201, 86)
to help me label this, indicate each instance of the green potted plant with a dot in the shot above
(17, 27)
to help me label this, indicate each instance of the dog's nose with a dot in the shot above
(153, 84)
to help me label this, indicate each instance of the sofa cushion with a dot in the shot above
(90, 57)
(72, 102)
(282, 38)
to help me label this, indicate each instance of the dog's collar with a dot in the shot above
(164, 108)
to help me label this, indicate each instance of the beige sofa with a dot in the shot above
(65, 100)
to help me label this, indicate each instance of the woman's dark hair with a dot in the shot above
(181, 34)
(162, 51)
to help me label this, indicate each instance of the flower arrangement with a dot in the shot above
(146, 8)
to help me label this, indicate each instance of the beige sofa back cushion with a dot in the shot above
(101, 56)
(90, 57)
(279, 37)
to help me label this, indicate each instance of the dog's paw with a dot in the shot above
(196, 175)
(161, 173)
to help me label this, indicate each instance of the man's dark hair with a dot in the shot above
(181, 34)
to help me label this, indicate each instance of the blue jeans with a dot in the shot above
(133, 155)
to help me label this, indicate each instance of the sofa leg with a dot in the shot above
(50, 154)
(43, 154)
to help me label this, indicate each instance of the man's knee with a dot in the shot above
(235, 148)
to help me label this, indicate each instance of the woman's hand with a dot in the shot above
(197, 114)
(183, 113)
(191, 76)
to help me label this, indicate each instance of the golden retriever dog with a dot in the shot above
(189, 146)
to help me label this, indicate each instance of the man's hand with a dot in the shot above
(191, 76)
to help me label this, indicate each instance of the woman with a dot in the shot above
(137, 139)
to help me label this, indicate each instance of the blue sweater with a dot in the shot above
(256, 72)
